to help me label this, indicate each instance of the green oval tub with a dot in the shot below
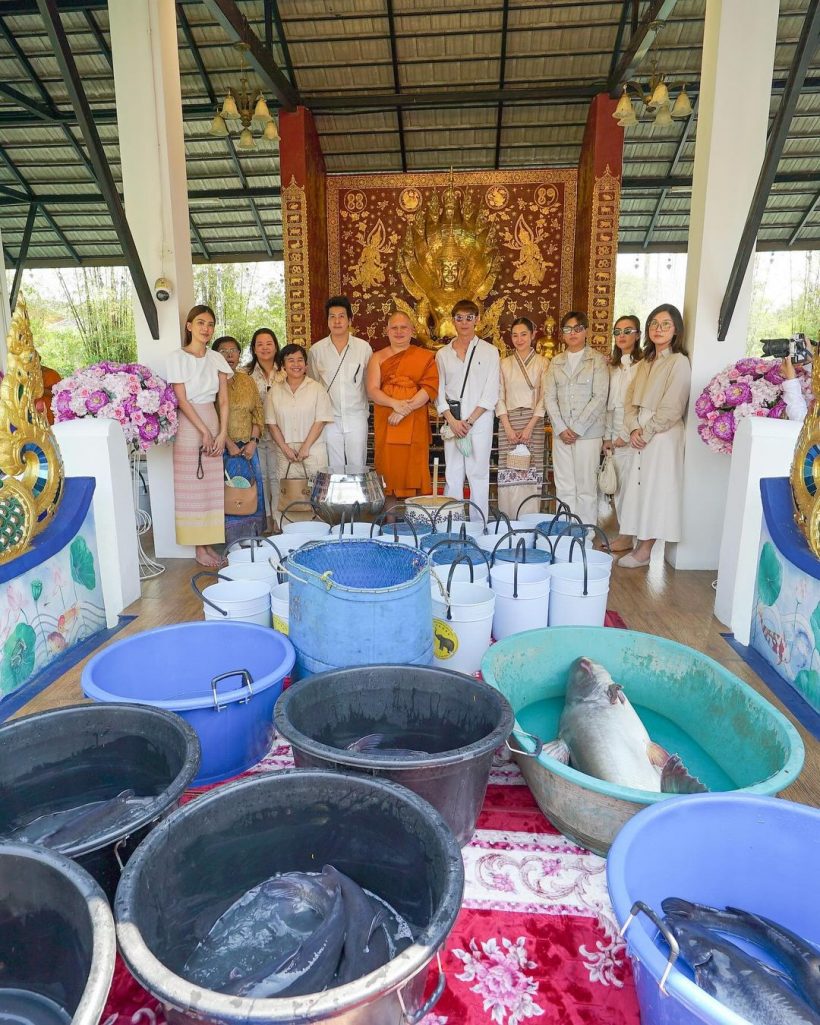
(724, 731)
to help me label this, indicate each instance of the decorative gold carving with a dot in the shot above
(297, 275)
(496, 197)
(31, 470)
(603, 253)
(489, 326)
(448, 254)
(369, 269)
(355, 201)
(530, 266)
(410, 200)
(805, 471)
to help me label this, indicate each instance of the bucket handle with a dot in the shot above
(255, 542)
(420, 509)
(199, 594)
(594, 528)
(577, 541)
(355, 511)
(664, 930)
(381, 523)
(300, 501)
(462, 502)
(468, 542)
(498, 517)
(539, 744)
(416, 1016)
(247, 681)
(561, 506)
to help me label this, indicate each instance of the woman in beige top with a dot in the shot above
(296, 412)
(265, 374)
(520, 410)
(653, 414)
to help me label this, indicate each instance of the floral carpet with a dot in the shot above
(535, 942)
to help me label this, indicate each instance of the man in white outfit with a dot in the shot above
(339, 363)
(576, 386)
(469, 376)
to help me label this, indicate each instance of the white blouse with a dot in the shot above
(199, 374)
(482, 382)
(619, 378)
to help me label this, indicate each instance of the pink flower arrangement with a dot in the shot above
(750, 387)
(130, 393)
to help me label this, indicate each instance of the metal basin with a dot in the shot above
(356, 493)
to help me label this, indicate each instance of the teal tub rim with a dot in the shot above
(326, 579)
(771, 785)
(226, 697)
(638, 942)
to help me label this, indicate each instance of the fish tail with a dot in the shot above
(369, 743)
(676, 779)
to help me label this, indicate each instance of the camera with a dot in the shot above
(798, 347)
(162, 289)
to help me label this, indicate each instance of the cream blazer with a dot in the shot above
(658, 393)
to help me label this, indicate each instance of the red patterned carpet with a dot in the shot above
(535, 940)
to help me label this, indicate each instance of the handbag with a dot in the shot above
(240, 499)
(295, 489)
(608, 475)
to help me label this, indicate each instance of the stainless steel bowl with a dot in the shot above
(358, 492)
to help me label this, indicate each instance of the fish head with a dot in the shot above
(696, 944)
(589, 682)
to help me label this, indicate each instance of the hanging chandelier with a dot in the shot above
(656, 100)
(249, 108)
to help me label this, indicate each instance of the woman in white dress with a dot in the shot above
(265, 373)
(626, 354)
(653, 413)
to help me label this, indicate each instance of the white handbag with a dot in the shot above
(608, 475)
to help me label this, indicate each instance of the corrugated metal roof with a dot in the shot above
(332, 49)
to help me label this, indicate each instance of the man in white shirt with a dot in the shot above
(469, 376)
(339, 363)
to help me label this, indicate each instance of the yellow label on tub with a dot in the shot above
(445, 639)
(280, 624)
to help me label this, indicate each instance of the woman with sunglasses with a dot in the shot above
(653, 414)
(626, 353)
(576, 385)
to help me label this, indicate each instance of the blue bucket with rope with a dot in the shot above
(358, 602)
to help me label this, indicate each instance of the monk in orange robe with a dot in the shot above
(401, 380)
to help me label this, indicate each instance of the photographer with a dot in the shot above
(796, 407)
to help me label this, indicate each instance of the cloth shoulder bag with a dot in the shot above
(608, 475)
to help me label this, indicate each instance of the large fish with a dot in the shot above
(67, 828)
(601, 734)
(799, 959)
(311, 967)
(365, 947)
(371, 745)
(738, 980)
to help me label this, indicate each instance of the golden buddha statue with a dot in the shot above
(31, 470)
(448, 254)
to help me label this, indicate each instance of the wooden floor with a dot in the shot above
(670, 603)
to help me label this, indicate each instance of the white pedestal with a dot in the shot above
(762, 448)
(96, 448)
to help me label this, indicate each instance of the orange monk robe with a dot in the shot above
(402, 452)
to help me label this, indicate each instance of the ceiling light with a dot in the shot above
(247, 106)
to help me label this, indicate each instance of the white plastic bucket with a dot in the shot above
(522, 597)
(280, 607)
(569, 606)
(238, 601)
(461, 573)
(488, 542)
(314, 528)
(288, 543)
(355, 529)
(564, 553)
(257, 549)
(263, 569)
(460, 641)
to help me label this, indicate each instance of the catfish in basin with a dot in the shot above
(759, 994)
(371, 745)
(798, 958)
(601, 734)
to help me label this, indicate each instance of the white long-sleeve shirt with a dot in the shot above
(348, 392)
(482, 382)
(619, 378)
(796, 407)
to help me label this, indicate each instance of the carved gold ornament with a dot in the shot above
(805, 472)
(449, 253)
(31, 470)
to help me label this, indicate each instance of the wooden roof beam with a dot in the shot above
(803, 55)
(237, 28)
(71, 76)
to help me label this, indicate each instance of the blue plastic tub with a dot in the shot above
(359, 602)
(223, 678)
(751, 852)
(725, 732)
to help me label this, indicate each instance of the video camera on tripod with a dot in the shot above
(798, 347)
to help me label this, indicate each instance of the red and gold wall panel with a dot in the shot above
(532, 213)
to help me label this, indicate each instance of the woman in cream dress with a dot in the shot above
(626, 354)
(653, 414)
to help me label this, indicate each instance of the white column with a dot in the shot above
(5, 312)
(733, 111)
(152, 149)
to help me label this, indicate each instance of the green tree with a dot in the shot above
(99, 300)
(240, 299)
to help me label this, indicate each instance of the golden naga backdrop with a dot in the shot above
(31, 469)
(805, 472)
(420, 242)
